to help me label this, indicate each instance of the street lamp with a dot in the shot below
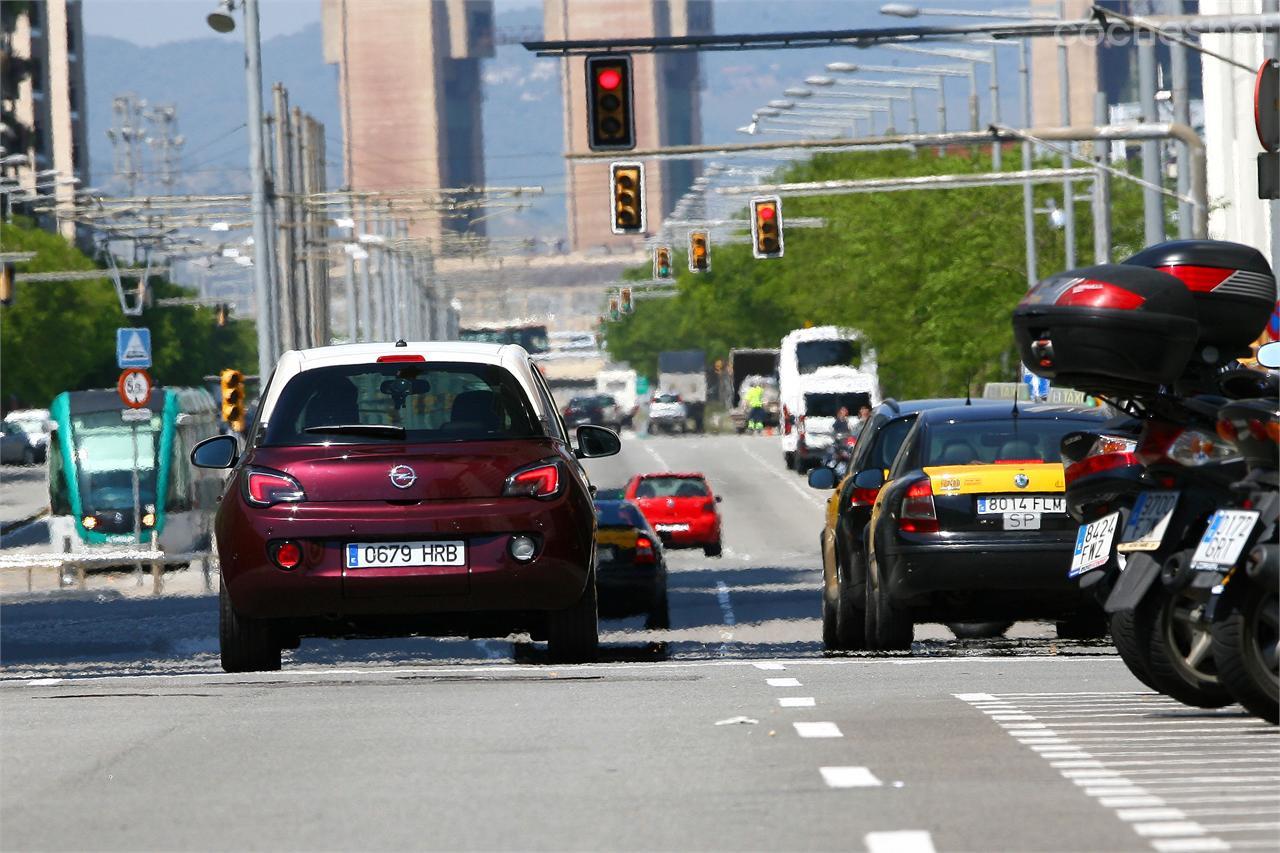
(938, 72)
(221, 21)
(909, 85)
(987, 57)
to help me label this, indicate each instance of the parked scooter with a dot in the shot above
(1154, 342)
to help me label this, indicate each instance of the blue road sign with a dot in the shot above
(133, 347)
(1037, 386)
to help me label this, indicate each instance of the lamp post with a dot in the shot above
(909, 85)
(938, 72)
(222, 21)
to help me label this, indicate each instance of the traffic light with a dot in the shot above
(699, 251)
(627, 306)
(627, 181)
(613, 309)
(7, 274)
(232, 382)
(662, 262)
(610, 123)
(766, 227)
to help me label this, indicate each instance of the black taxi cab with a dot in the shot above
(970, 524)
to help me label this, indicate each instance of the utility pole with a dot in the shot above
(366, 286)
(304, 308)
(165, 141)
(285, 216)
(1028, 196)
(349, 281)
(1068, 189)
(1153, 201)
(126, 134)
(1102, 188)
(1181, 115)
(258, 176)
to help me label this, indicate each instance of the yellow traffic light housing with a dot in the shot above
(766, 227)
(232, 382)
(699, 251)
(662, 263)
(610, 120)
(7, 274)
(627, 183)
(627, 306)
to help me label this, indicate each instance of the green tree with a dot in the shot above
(929, 276)
(60, 336)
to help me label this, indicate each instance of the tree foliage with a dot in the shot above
(929, 276)
(61, 336)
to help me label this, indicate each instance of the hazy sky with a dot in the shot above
(149, 22)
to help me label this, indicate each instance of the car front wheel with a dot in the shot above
(573, 633)
(247, 645)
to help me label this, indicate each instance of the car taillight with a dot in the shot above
(1200, 279)
(863, 497)
(918, 514)
(397, 359)
(644, 551)
(850, 441)
(1097, 464)
(541, 480)
(264, 487)
(286, 555)
(787, 421)
(1099, 294)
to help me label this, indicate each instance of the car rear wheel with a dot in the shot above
(247, 645)
(659, 618)
(851, 622)
(711, 550)
(28, 456)
(573, 634)
(789, 459)
(889, 627)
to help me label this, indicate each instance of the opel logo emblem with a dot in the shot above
(670, 502)
(402, 476)
(1022, 481)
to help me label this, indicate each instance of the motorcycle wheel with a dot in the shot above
(1179, 648)
(1245, 634)
(1125, 638)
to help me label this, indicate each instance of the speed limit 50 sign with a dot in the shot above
(134, 387)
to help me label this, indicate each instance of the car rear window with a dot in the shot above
(823, 405)
(618, 514)
(437, 401)
(1008, 440)
(667, 398)
(672, 487)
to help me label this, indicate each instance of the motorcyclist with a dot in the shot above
(754, 400)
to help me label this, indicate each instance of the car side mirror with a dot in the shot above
(216, 452)
(719, 499)
(597, 441)
(822, 477)
(872, 478)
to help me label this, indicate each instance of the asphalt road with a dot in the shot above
(24, 492)
(730, 731)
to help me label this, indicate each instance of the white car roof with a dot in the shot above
(27, 415)
(510, 356)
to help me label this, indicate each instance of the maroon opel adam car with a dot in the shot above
(395, 490)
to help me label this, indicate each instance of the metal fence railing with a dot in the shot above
(74, 567)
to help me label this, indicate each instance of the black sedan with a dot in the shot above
(631, 571)
(972, 524)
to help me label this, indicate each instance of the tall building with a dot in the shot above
(42, 110)
(666, 105)
(410, 91)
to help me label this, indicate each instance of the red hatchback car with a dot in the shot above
(681, 507)
(395, 490)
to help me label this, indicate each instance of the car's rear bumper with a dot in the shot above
(989, 578)
(699, 534)
(626, 589)
(491, 580)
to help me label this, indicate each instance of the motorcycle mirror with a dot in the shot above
(1269, 355)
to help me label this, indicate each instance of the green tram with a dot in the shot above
(119, 476)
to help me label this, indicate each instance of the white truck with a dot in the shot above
(621, 386)
(808, 377)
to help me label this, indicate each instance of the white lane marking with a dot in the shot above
(1258, 826)
(787, 478)
(1168, 828)
(1089, 773)
(43, 682)
(662, 462)
(849, 777)
(795, 701)
(823, 729)
(726, 606)
(1117, 791)
(1151, 814)
(1090, 763)
(768, 666)
(1191, 845)
(1129, 802)
(782, 682)
(901, 841)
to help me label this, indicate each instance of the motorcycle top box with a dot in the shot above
(1232, 285)
(1108, 329)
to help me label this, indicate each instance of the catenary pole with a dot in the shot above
(258, 174)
